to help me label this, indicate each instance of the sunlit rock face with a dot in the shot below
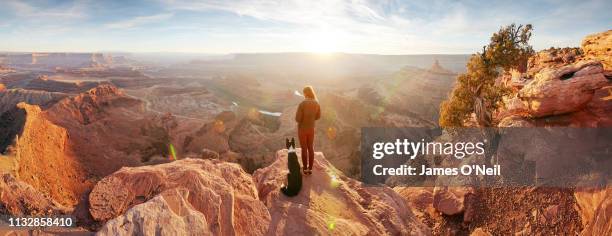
(599, 47)
(330, 203)
(595, 207)
(562, 87)
(45, 162)
(217, 195)
(552, 58)
(563, 90)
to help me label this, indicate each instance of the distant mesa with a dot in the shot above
(52, 60)
(438, 69)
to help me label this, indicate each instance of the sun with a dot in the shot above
(324, 42)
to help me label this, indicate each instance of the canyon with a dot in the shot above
(132, 149)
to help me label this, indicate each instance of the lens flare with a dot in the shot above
(332, 133)
(253, 114)
(172, 152)
(219, 126)
(331, 225)
(335, 181)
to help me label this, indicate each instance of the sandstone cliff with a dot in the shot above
(45, 161)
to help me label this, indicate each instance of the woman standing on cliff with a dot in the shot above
(307, 114)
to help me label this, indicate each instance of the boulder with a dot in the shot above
(562, 90)
(420, 200)
(170, 208)
(450, 200)
(599, 46)
(332, 204)
(218, 193)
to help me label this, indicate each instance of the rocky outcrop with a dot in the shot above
(599, 47)
(20, 199)
(45, 161)
(450, 200)
(219, 194)
(562, 87)
(563, 90)
(420, 200)
(61, 150)
(90, 106)
(170, 208)
(332, 204)
(595, 208)
(552, 58)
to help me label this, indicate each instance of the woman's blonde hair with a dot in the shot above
(309, 92)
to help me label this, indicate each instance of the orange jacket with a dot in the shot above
(307, 113)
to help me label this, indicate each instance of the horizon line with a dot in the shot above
(236, 53)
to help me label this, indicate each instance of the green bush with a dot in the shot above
(475, 90)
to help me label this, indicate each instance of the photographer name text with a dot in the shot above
(408, 170)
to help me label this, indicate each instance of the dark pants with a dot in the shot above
(306, 137)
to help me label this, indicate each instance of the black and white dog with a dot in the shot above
(294, 178)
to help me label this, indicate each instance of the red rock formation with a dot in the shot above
(331, 203)
(219, 194)
(169, 213)
(552, 58)
(599, 47)
(595, 207)
(90, 106)
(19, 199)
(450, 200)
(563, 87)
(563, 90)
(45, 161)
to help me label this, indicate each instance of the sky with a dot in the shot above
(358, 26)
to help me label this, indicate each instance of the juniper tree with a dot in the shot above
(475, 90)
